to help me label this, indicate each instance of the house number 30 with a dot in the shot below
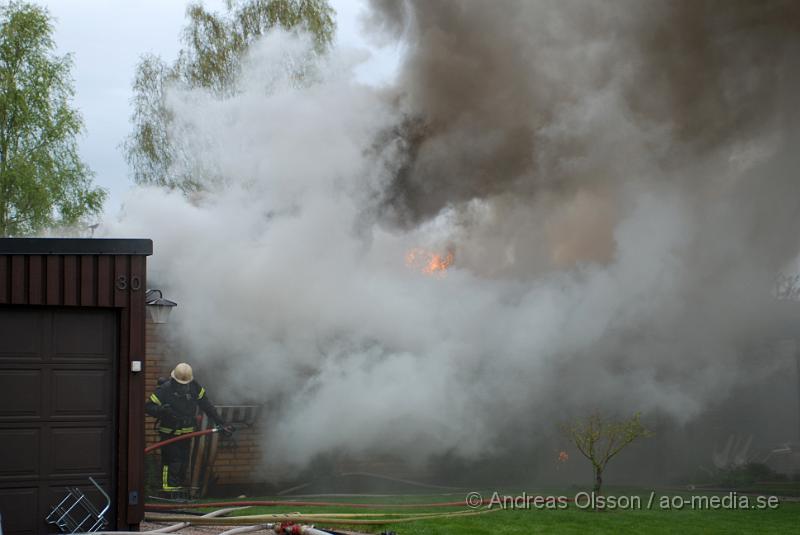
(134, 283)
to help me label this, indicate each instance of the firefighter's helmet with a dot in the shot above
(182, 373)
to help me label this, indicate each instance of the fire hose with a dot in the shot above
(290, 522)
(326, 518)
(178, 438)
(287, 528)
(295, 503)
(281, 529)
(174, 527)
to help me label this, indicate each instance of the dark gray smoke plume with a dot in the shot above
(486, 85)
(617, 183)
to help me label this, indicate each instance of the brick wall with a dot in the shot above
(158, 359)
(238, 459)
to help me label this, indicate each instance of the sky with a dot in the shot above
(106, 38)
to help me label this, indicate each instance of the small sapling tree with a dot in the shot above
(600, 439)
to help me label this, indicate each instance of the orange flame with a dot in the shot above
(428, 262)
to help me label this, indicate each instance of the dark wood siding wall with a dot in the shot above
(68, 280)
(97, 279)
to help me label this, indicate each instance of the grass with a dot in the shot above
(784, 519)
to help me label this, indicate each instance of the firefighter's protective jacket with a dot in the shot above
(175, 406)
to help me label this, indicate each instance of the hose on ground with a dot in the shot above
(291, 528)
(311, 530)
(296, 503)
(374, 476)
(247, 529)
(399, 480)
(325, 518)
(175, 527)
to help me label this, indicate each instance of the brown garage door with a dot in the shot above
(57, 405)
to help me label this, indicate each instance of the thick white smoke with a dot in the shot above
(631, 289)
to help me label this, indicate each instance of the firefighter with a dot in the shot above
(174, 404)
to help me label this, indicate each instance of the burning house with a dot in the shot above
(551, 208)
(609, 191)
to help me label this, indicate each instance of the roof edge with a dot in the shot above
(76, 246)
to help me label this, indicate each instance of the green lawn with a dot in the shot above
(784, 519)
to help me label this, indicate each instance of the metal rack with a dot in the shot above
(77, 514)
